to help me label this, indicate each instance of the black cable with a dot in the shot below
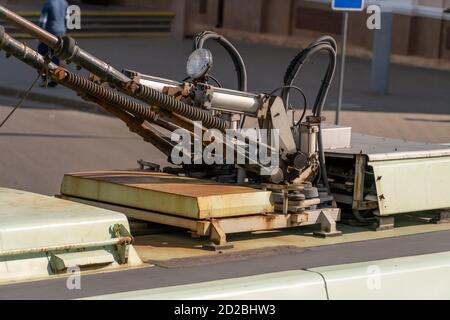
(215, 80)
(298, 62)
(241, 71)
(305, 103)
(208, 76)
(327, 44)
(17, 106)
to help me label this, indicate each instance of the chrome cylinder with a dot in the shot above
(227, 100)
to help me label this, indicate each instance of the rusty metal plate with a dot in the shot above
(161, 192)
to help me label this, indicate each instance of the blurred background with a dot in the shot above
(57, 132)
(421, 28)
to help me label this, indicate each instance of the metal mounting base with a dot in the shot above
(218, 238)
(327, 226)
(217, 229)
(442, 217)
(383, 223)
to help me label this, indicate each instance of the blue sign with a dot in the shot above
(348, 5)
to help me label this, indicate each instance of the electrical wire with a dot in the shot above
(241, 71)
(208, 76)
(302, 93)
(22, 99)
(327, 44)
(215, 80)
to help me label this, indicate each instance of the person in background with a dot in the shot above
(53, 19)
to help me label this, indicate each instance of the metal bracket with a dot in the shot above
(202, 95)
(383, 222)
(218, 238)
(280, 121)
(360, 172)
(327, 226)
(123, 247)
(443, 216)
(154, 167)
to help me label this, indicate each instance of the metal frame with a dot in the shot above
(442, 217)
(217, 229)
(357, 200)
(358, 203)
(382, 222)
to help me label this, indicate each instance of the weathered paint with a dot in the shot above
(65, 247)
(410, 176)
(410, 185)
(246, 223)
(160, 192)
(34, 223)
(415, 277)
(60, 262)
(163, 247)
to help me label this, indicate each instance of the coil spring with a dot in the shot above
(111, 97)
(164, 101)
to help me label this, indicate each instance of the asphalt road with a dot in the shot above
(413, 90)
(41, 143)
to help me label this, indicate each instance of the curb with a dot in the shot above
(52, 99)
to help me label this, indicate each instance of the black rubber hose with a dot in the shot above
(239, 65)
(238, 62)
(297, 63)
(327, 44)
